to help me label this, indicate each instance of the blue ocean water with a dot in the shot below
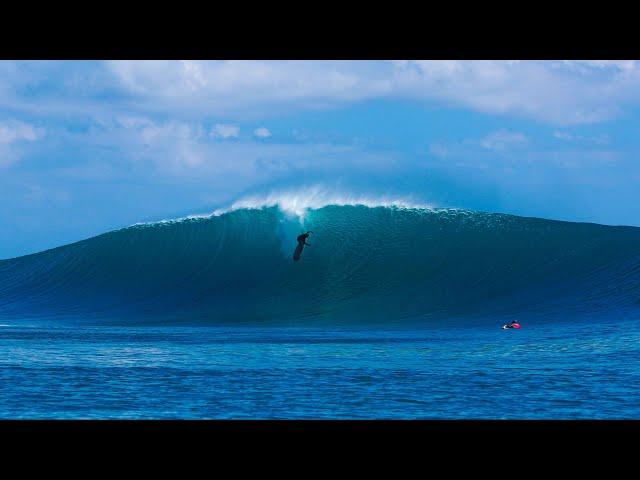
(562, 371)
(390, 313)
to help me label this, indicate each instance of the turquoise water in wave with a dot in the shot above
(566, 370)
(383, 266)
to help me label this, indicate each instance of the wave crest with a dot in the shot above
(300, 201)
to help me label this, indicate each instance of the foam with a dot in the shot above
(296, 203)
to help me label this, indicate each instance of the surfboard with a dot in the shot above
(298, 252)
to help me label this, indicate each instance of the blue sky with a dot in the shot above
(86, 147)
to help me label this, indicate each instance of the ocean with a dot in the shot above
(391, 313)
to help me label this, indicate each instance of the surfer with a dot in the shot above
(512, 324)
(302, 241)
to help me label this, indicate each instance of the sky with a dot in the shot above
(90, 146)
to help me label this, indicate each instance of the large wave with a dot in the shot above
(389, 262)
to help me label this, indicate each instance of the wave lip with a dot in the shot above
(298, 203)
(370, 261)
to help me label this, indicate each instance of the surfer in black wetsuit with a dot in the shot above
(302, 239)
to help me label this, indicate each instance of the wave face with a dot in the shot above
(365, 264)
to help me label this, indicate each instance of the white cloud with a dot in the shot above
(563, 135)
(561, 93)
(262, 132)
(133, 122)
(172, 146)
(439, 150)
(14, 131)
(570, 137)
(587, 66)
(503, 140)
(557, 92)
(150, 148)
(221, 130)
(242, 85)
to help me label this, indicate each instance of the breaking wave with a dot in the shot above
(370, 261)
